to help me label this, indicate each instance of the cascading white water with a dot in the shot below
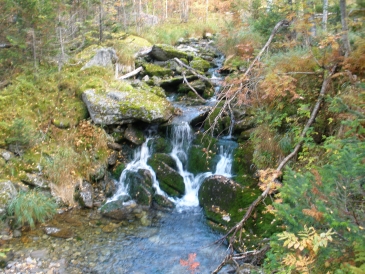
(181, 137)
(139, 161)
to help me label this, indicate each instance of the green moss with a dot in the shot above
(200, 64)
(160, 145)
(117, 171)
(201, 154)
(156, 70)
(170, 52)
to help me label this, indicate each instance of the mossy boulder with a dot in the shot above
(162, 52)
(200, 64)
(120, 107)
(140, 186)
(170, 180)
(201, 154)
(162, 157)
(223, 200)
(7, 193)
(156, 70)
(160, 145)
(162, 202)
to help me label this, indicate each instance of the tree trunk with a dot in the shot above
(325, 15)
(101, 21)
(345, 37)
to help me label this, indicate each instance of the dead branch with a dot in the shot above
(193, 71)
(191, 87)
(130, 74)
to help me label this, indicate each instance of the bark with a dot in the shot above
(193, 89)
(5, 46)
(325, 15)
(345, 37)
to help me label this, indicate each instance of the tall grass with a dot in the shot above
(32, 207)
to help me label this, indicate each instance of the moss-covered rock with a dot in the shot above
(156, 70)
(162, 157)
(198, 85)
(140, 186)
(201, 154)
(200, 64)
(119, 107)
(163, 52)
(162, 202)
(170, 180)
(160, 145)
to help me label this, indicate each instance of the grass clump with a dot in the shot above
(32, 207)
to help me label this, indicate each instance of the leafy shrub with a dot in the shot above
(326, 198)
(32, 207)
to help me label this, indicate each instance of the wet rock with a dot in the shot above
(161, 202)
(162, 157)
(126, 106)
(170, 180)
(7, 193)
(134, 135)
(140, 186)
(160, 145)
(248, 269)
(58, 232)
(120, 210)
(84, 194)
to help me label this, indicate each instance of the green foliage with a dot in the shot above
(327, 198)
(32, 207)
(20, 134)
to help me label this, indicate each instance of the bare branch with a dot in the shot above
(193, 89)
(130, 74)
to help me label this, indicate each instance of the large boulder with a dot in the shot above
(223, 200)
(7, 193)
(163, 52)
(121, 107)
(104, 57)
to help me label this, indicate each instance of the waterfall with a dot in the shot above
(139, 161)
(181, 137)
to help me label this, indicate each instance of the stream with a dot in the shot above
(175, 242)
